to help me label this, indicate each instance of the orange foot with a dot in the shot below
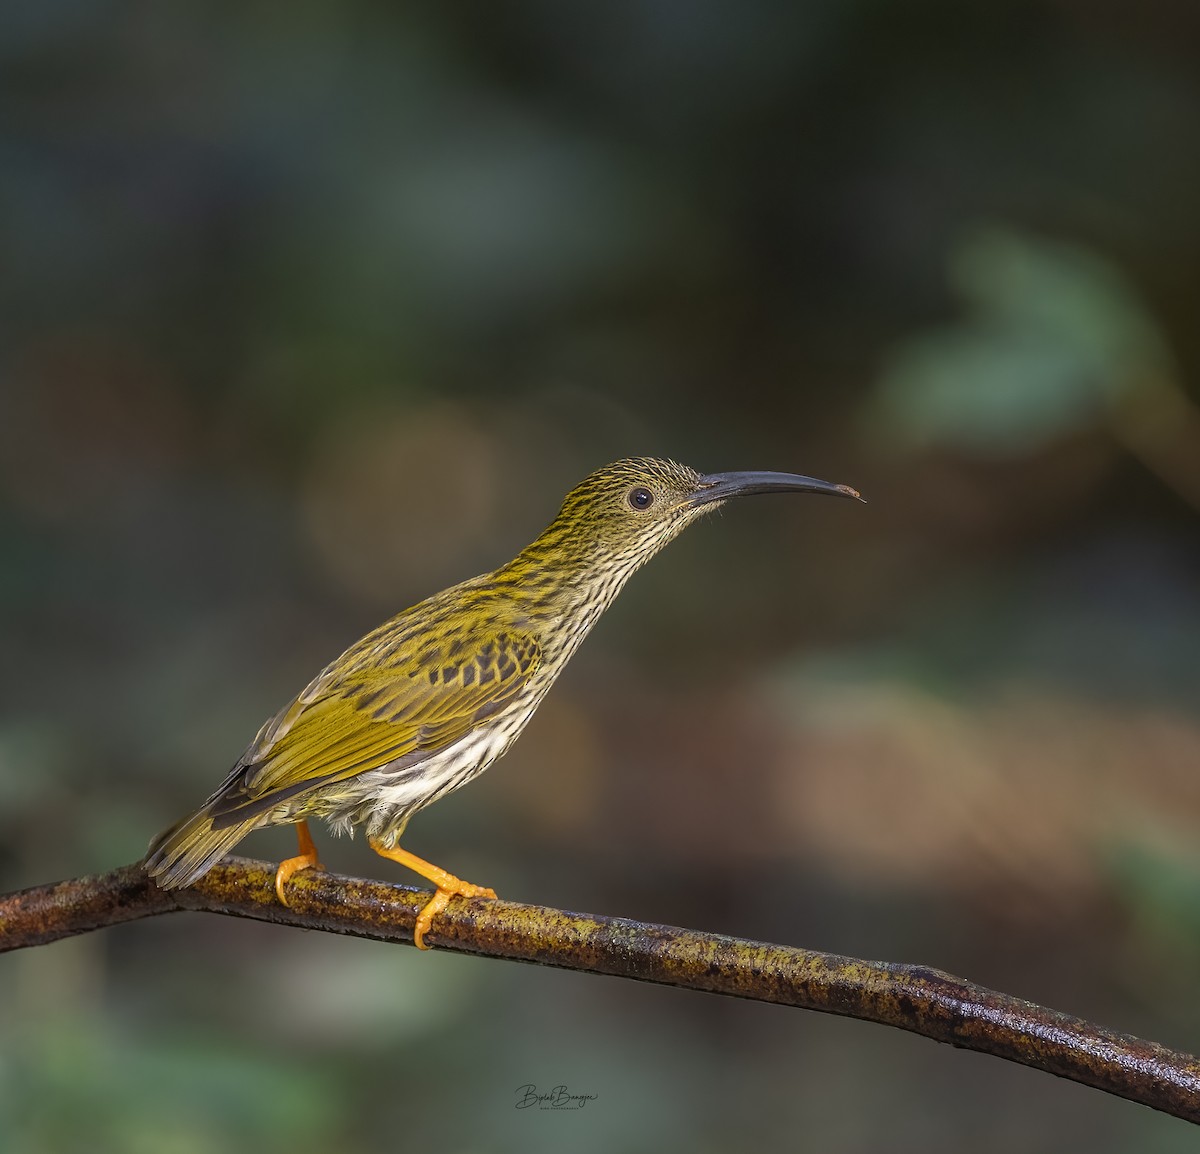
(448, 886)
(305, 859)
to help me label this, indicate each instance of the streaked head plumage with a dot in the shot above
(634, 506)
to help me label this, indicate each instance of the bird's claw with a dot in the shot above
(291, 866)
(439, 901)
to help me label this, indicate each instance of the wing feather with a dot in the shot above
(347, 723)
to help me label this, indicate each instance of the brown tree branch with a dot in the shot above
(913, 998)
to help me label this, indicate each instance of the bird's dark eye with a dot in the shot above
(641, 498)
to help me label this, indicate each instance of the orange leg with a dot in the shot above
(306, 859)
(448, 886)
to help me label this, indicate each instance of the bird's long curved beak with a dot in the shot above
(722, 486)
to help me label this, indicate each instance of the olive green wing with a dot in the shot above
(346, 723)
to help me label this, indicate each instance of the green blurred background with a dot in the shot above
(311, 309)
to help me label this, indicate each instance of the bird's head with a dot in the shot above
(627, 511)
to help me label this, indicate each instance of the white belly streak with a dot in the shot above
(385, 801)
(437, 774)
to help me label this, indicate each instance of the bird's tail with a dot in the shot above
(190, 848)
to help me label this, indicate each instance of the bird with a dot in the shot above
(432, 697)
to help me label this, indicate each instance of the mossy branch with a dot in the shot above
(914, 998)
